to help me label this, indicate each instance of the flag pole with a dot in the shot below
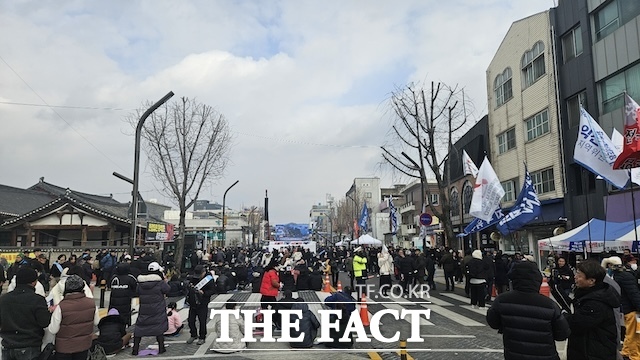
(633, 207)
(585, 185)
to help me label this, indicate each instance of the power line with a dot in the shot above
(64, 106)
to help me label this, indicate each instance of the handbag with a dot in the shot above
(48, 353)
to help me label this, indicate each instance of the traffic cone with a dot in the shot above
(493, 291)
(327, 284)
(364, 313)
(544, 287)
(339, 285)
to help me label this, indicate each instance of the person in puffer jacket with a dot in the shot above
(530, 323)
(309, 325)
(236, 332)
(113, 335)
(124, 287)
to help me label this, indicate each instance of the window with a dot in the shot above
(507, 141)
(367, 195)
(543, 181)
(454, 202)
(572, 44)
(502, 87)
(434, 199)
(537, 125)
(573, 108)
(613, 15)
(509, 190)
(467, 194)
(533, 64)
(612, 89)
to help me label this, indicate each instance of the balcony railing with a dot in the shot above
(408, 229)
(407, 207)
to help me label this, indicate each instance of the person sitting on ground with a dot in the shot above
(177, 286)
(283, 304)
(344, 297)
(113, 335)
(236, 332)
(308, 326)
(175, 321)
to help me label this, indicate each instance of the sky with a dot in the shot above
(304, 85)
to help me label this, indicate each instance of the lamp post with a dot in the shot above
(136, 169)
(354, 215)
(224, 205)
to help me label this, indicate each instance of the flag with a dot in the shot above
(393, 217)
(468, 165)
(364, 216)
(526, 209)
(589, 153)
(617, 139)
(478, 224)
(487, 192)
(630, 156)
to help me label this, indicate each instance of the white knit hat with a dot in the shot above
(476, 254)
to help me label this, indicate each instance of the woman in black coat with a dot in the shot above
(124, 287)
(152, 317)
(501, 279)
(113, 335)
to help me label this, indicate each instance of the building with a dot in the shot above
(367, 191)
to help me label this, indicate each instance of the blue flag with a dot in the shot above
(526, 209)
(478, 224)
(364, 216)
(393, 217)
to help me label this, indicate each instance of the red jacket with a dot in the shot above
(268, 288)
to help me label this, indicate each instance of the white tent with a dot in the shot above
(340, 243)
(366, 239)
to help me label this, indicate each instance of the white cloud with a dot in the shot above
(302, 83)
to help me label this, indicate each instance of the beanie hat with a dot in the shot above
(477, 254)
(26, 275)
(74, 283)
(113, 311)
(198, 270)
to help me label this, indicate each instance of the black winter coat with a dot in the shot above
(478, 269)
(194, 298)
(406, 265)
(447, 262)
(23, 317)
(152, 317)
(530, 323)
(630, 293)
(593, 324)
(309, 325)
(123, 289)
(421, 266)
(112, 329)
(501, 272)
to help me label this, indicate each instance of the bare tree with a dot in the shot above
(187, 146)
(424, 128)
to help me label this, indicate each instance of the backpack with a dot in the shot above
(97, 353)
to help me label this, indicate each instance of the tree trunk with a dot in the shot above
(179, 253)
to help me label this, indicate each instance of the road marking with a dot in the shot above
(409, 357)
(463, 299)
(438, 301)
(481, 311)
(450, 336)
(423, 321)
(374, 356)
(219, 300)
(452, 315)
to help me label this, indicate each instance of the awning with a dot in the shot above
(596, 235)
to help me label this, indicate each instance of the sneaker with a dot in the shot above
(191, 340)
(316, 342)
(200, 341)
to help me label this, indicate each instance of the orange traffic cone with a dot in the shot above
(544, 287)
(364, 313)
(339, 285)
(493, 291)
(327, 284)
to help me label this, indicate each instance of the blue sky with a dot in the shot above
(304, 85)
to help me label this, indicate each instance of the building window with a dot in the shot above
(502, 87)
(454, 202)
(537, 125)
(572, 44)
(543, 181)
(612, 89)
(467, 194)
(509, 190)
(533, 64)
(507, 141)
(613, 15)
(367, 195)
(434, 199)
(573, 108)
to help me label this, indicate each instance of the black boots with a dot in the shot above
(136, 346)
(161, 348)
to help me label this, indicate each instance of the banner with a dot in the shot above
(594, 149)
(468, 165)
(364, 216)
(630, 156)
(478, 224)
(157, 232)
(526, 209)
(617, 139)
(393, 217)
(486, 193)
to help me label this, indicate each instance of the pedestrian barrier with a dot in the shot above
(544, 287)
(403, 349)
(339, 285)
(327, 284)
(364, 312)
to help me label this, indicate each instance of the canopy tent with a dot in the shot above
(596, 235)
(341, 243)
(366, 239)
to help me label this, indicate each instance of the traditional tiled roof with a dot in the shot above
(15, 201)
(56, 191)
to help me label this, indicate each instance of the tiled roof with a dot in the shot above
(55, 190)
(15, 201)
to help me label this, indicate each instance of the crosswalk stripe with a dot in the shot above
(438, 301)
(482, 311)
(462, 299)
(218, 301)
(423, 321)
(452, 315)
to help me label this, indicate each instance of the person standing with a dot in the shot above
(385, 264)
(152, 318)
(23, 317)
(3, 278)
(431, 270)
(593, 324)
(270, 286)
(73, 320)
(57, 267)
(360, 271)
(630, 305)
(407, 267)
(198, 299)
(502, 281)
(124, 287)
(348, 266)
(491, 273)
(448, 265)
(530, 323)
(564, 276)
(465, 270)
(477, 279)
(107, 266)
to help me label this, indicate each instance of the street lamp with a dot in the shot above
(224, 205)
(354, 216)
(136, 168)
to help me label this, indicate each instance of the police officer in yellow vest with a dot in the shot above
(360, 270)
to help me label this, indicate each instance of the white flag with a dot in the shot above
(487, 192)
(589, 153)
(468, 165)
(617, 139)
